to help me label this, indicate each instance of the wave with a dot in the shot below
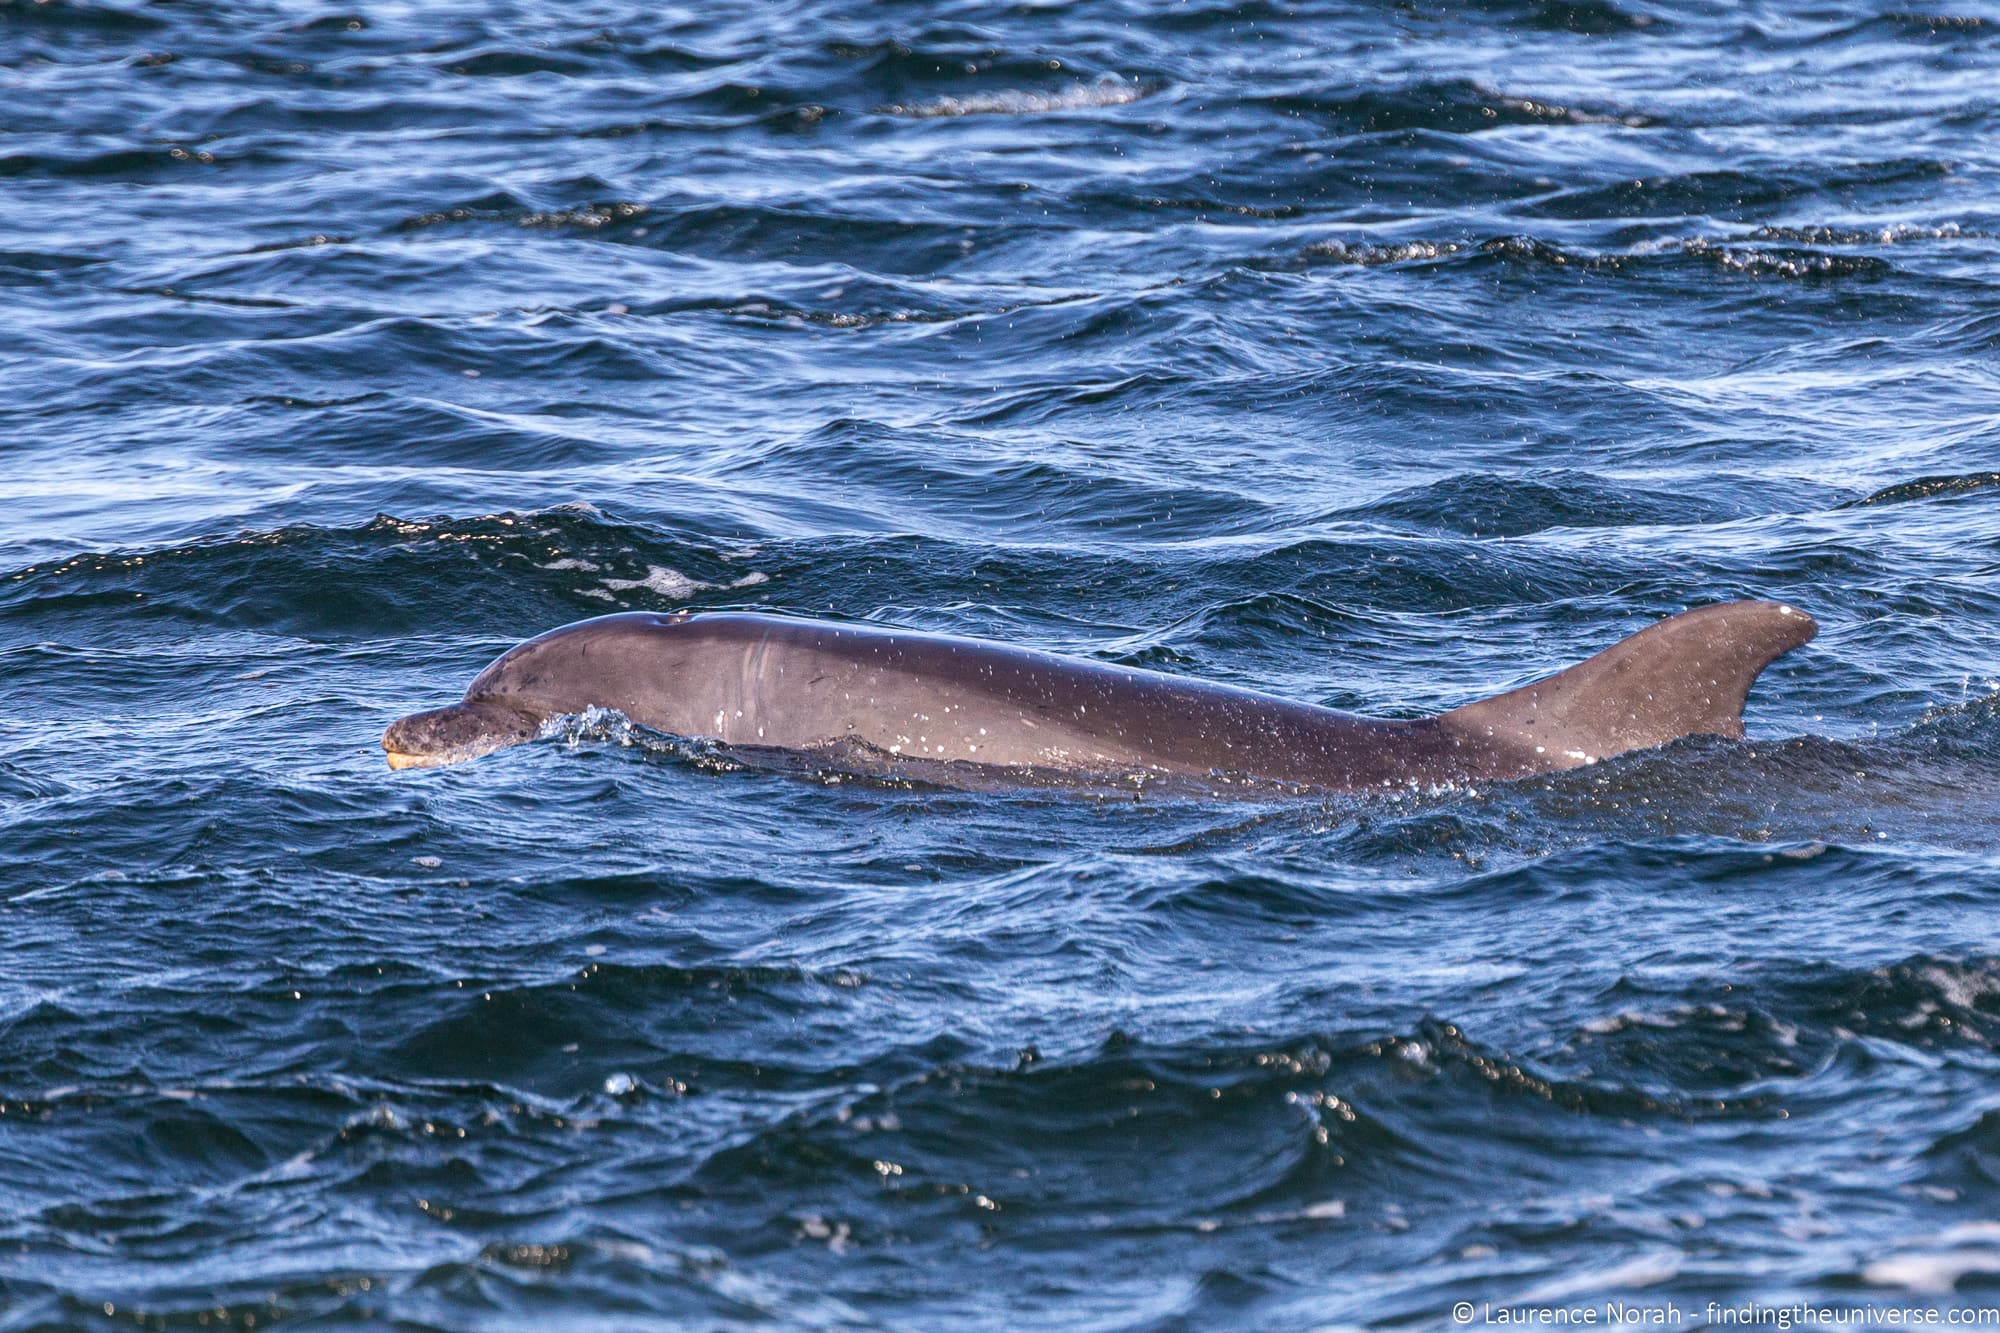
(1750, 254)
(1930, 488)
(544, 567)
(1012, 102)
(1481, 504)
(1728, 192)
(78, 15)
(1448, 106)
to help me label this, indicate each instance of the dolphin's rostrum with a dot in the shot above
(749, 679)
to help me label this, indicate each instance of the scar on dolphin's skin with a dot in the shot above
(787, 682)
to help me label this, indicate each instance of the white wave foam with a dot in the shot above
(1937, 1270)
(676, 586)
(1015, 102)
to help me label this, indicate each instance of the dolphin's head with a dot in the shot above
(591, 663)
(455, 734)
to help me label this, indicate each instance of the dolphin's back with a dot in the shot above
(751, 679)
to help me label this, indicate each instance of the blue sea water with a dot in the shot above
(1380, 355)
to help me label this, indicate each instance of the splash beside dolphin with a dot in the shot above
(785, 682)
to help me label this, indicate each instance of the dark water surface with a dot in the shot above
(1382, 356)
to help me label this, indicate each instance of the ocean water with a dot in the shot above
(1380, 355)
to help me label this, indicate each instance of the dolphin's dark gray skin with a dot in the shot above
(779, 681)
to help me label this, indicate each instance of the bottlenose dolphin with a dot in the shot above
(748, 679)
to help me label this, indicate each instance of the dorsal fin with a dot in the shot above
(1685, 676)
